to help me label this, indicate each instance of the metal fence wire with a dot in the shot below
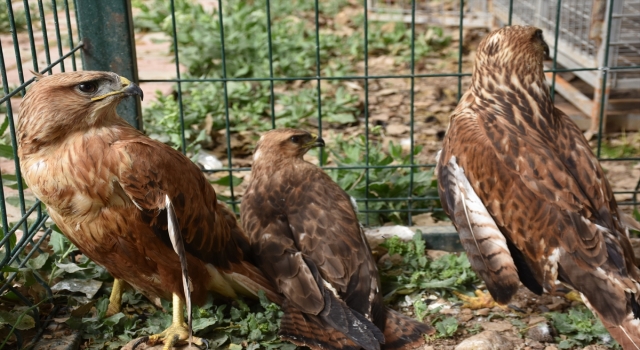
(51, 36)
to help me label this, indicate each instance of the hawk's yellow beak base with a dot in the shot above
(128, 89)
(315, 142)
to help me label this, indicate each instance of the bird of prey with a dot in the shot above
(529, 198)
(306, 237)
(117, 194)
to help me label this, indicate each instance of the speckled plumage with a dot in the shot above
(545, 210)
(306, 237)
(104, 184)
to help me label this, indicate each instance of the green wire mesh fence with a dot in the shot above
(240, 68)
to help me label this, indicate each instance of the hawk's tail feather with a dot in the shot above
(403, 332)
(308, 330)
(486, 246)
(359, 329)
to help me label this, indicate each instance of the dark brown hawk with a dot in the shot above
(306, 237)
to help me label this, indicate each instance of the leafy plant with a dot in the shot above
(293, 54)
(622, 147)
(581, 329)
(446, 327)
(417, 273)
(388, 178)
(19, 18)
(243, 325)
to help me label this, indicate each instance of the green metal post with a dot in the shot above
(106, 29)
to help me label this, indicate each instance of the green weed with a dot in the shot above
(240, 324)
(392, 182)
(623, 147)
(581, 328)
(417, 273)
(446, 327)
(293, 54)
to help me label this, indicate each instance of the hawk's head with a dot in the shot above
(286, 143)
(64, 102)
(512, 48)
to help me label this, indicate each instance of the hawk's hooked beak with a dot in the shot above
(128, 89)
(545, 47)
(315, 142)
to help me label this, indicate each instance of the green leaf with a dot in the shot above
(3, 127)
(11, 181)
(447, 327)
(9, 269)
(113, 320)
(58, 242)
(38, 262)
(202, 323)
(217, 342)
(70, 267)
(235, 347)
(341, 118)
(224, 181)
(19, 320)
(6, 151)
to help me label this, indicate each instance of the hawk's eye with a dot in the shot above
(88, 87)
(295, 139)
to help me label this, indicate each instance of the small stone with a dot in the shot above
(483, 312)
(450, 311)
(541, 332)
(534, 345)
(557, 306)
(465, 315)
(487, 340)
(397, 129)
(551, 347)
(543, 308)
(498, 326)
(536, 319)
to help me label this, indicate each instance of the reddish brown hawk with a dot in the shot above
(527, 195)
(110, 189)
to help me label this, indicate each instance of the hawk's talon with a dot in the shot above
(140, 341)
(480, 301)
(178, 331)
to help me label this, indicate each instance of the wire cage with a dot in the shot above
(581, 36)
(50, 37)
(440, 12)
(42, 42)
(582, 41)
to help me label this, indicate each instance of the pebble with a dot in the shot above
(483, 312)
(487, 340)
(536, 319)
(465, 315)
(541, 332)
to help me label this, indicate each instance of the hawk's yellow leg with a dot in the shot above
(178, 331)
(480, 301)
(115, 300)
